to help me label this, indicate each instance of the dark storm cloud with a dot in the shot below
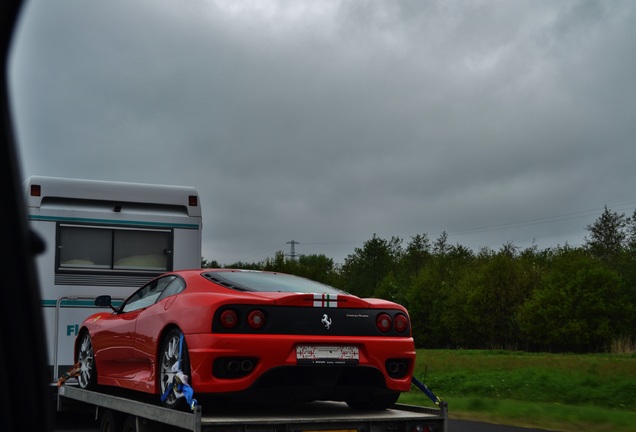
(326, 122)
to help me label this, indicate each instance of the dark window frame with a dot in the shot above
(112, 266)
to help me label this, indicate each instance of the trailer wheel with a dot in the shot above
(111, 421)
(130, 425)
(172, 347)
(87, 377)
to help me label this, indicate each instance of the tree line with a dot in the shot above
(560, 299)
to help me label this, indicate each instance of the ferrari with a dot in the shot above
(248, 335)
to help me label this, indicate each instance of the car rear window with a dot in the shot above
(246, 280)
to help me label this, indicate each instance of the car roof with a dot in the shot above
(260, 281)
(264, 281)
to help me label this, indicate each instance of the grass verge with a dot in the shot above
(564, 392)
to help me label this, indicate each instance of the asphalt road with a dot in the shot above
(470, 426)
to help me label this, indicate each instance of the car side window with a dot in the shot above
(175, 287)
(148, 294)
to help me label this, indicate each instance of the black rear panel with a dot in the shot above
(309, 321)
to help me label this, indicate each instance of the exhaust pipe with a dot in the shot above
(233, 366)
(397, 368)
(247, 365)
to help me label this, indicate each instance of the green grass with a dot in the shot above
(565, 392)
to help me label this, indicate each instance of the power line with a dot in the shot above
(538, 221)
(509, 225)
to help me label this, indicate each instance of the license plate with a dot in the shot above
(328, 430)
(327, 354)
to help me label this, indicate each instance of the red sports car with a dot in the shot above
(249, 334)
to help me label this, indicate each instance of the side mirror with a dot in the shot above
(104, 301)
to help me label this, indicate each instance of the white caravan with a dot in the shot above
(104, 237)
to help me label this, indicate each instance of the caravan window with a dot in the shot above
(81, 247)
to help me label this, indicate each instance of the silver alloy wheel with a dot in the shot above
(86, 360)
(169, 358)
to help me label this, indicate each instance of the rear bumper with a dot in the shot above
(273, 361)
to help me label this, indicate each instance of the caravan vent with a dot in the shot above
(102, 280)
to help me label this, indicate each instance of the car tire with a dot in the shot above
(168, 356)
(374, 403)
(87, 377)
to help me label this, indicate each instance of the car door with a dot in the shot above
(115, 341)
(152, 320)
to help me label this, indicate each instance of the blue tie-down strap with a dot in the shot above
(188, 393)
(182, 388)
(426, 390)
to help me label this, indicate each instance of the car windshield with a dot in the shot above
(269, 282)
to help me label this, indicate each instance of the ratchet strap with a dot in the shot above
(180, 384)
(426, 390)
(71, 373)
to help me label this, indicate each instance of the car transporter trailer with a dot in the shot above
(117, 413)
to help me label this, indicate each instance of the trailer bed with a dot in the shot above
(306, 417)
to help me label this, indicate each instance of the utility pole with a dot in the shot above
(292, 251)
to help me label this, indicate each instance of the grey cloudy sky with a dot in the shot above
(329, 121)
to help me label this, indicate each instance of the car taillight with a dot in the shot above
(384, 322)
(256, 319)
(400, 322)
(425, 428)
(229, 319)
